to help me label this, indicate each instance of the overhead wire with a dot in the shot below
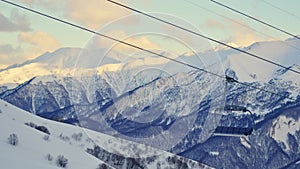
(280, 9)
(109, 37)
(255, 19)
(239, 23)
(205, 37)
(142, 49)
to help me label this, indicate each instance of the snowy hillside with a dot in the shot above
(34, 145)
(37, 149)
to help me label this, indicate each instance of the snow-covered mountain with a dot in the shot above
(144, 113)
(40, 142)
(248, 68)
(75, 61)
(173, 110)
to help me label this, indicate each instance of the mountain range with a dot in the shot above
(171, 107)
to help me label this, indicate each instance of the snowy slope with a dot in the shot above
(33, 148)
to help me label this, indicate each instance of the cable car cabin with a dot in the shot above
(230, 124)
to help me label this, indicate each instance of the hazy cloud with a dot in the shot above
(15, 22)
(32, 45)
(141, 41)
(241, 36)
(38, 43)
(9, 55)
(114, 47)
(6, 49)
(212, 23)
(38, 39)
(94, 13)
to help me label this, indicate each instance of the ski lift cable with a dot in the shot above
(282, 10)
(143, 49)
(239, 23)
(255, 19)
(230, 79)
(205, 37)
(110, 37)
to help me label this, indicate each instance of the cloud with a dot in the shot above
(244, 39)
(241, 36)
(135, 39)
(10, 55)
(212, 23)
(15, 22)
(27, 1)
(31, 45)
(93, 13)
(141, 41)
(7, 49)
(45, 3)
(39, 39)
(37, 43)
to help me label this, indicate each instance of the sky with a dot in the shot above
(24, 35)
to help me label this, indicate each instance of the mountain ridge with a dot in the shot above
(121, 104)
